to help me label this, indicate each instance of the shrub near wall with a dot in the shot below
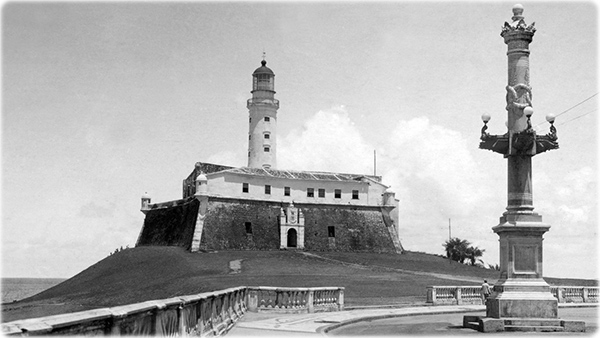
(224, 226)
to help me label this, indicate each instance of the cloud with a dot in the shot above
(93, 210)
(574, 215)
(434, 165)
(329, 141)
(582, 181)
(430, 168)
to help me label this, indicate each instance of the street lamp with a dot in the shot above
(521, 292)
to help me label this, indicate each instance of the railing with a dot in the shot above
(456, 295)
(167, 204)
(295, 300)
(261, 101)
(204, 314)
(575, 294)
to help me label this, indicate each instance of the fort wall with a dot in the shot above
(225, 225)
(250, 224)
(171, 225)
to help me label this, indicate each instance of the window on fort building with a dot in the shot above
(354, 194)
(267, 149)
(322, 193)
(331, 231)
(268, 189)
(244, 187)
(267, 119)
(267, 136)
(250, 136)
(337, 193)
(310, 192)
(248, 228)
(286, 191)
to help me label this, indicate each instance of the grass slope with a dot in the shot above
(146, 273)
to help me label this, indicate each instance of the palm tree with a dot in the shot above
(456, 249)
(473, 253)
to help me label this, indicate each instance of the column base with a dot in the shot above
(522, 298)
(486, 324)
(522, 308)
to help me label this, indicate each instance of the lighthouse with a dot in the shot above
(262, 107)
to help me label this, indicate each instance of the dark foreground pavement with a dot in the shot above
(418, 320)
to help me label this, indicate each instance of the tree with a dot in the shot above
(456, 249)
(460, 250)
(473, 253)
(494, 267)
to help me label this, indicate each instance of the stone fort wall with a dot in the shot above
(170, 225)
(236, 224)
(356, 228)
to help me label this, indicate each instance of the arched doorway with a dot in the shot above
(292, 238)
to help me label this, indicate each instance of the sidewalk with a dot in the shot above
(280, 324)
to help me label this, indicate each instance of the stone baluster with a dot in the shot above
(341, 299)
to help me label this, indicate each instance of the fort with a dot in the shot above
(259, 207)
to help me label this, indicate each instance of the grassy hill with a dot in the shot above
(146, 273)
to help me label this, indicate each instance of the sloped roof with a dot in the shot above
(300, 175)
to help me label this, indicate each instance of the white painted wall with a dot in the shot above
(226, 184)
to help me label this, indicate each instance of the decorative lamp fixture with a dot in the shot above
(485, 118)
(528, 111)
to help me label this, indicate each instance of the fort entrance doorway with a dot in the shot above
(292, 238)
(291, 228)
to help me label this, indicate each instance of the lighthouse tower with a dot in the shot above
(262, 144)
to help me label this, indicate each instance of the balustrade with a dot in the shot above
(296, 300)
(211, 313)
(443, 295)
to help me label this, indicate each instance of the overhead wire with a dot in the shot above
(575, 118)
(565, 111)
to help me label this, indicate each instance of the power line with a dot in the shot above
(575, 118)
(539, 124)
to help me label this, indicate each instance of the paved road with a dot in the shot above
(449, 324)
(424, 320)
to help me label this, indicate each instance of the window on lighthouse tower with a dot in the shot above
(264, 82)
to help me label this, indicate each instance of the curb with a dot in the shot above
(325, 329)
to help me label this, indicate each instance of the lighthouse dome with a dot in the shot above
(263, 69)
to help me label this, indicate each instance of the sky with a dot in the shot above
(103, 102)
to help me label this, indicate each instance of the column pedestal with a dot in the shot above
(521, 292)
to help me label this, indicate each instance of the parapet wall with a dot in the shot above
(205, 314)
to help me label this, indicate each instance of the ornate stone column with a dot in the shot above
(521, 292)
